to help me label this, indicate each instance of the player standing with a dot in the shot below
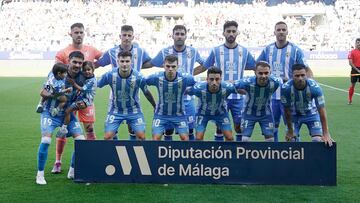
(232, 59)
(281, 55)
(354, 62)
(187, 57)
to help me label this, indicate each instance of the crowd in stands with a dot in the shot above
(44, 25)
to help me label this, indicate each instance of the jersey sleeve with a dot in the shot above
(97, 53)
(104, 80)
(285, 95)
(230, 88)
(210, 60)
(318, 96)
(300, 57)
(151, 79)
(158, 60)
(104, 60)
(199, 59)
(262, 56)
(89, 85)
(250, 62)
(60, 57)
(190, 80)
(146, 57)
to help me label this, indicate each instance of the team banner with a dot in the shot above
(302, 163)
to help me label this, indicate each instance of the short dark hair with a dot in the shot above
(179, 27)
(76, 54)
(171, 58)
(263, 64)
(280, 23)
(78, 25)
(88, 63)
(299, 66)
(59, 68)
(126, 28)
(230, 23)
(124, 54)
(214, 70)
(357, 40)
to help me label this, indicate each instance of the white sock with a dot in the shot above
(40, 173)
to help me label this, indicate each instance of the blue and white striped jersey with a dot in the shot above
(232, 62)
(257, 101)
(125, 91)
(281, 61)
(87, 92)
(170, 93)
(302, 102)
(211, 104)
(186, 58)
(53, 86)
(139, 57)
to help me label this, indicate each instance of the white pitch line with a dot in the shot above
(335, 88)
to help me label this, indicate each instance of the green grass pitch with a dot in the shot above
(20, 137)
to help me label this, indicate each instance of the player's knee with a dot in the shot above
(79, 137)
(245, 139)
(316, 139)
(237, 129)
(46, 140)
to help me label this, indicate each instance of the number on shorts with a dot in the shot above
(77, 125)
(47, 121)
(110, 118)
(317, 124)
(244, 123)
(156, 122)
(226, 120)
(182, 124)
(199, 119)
(140, 120)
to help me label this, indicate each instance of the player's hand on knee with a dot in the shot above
(327, 139)
(81, 104)
(290, 137)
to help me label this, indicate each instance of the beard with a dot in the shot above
(230, 40)
(179, 43)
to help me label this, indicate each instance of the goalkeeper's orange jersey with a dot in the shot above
(90, 53)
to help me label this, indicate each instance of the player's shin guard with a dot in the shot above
(60, 144)
(238, 137)
(191, 134)
(43, 152)
(351, 93)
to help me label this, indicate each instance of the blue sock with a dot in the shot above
(42, 155)
(72, 164)
(191, 134)
(219, 137)
(132, 137)
(168, 138)
(238, 137)
(276, 134)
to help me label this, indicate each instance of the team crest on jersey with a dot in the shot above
(135, 57)
(188, 54)
(287, 54)
(222, 52)
(132, 84)
(240, 53)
